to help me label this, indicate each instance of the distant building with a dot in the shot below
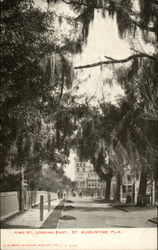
(89, 182)
(87, 179)
(130, 187)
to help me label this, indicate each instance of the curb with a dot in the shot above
(53, 218)
(7, 217)
(154, 220)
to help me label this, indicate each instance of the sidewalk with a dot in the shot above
(30, 218)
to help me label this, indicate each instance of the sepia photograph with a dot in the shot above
(79, 124)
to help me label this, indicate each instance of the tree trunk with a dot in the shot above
(155, 183)
(118, 185)
(142, 188)
(107, 189)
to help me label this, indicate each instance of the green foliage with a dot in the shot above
(138, 128)
(10, 182)
(94, 137)
(54, 181)
(34, 73)
(129, 18)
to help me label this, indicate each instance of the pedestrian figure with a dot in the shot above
(92, 195)
(61, 194)
(72, 192)
(81, 194)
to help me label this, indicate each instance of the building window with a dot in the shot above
(78, 164)
(77, 169)
(130, 188)
(124, 189)
(83, 169)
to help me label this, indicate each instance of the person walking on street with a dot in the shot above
(92, 195)
(80, 194)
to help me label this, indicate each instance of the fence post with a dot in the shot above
(22, 202)
(41, 207)
(30, 203)
(48, 202)
(153, 192)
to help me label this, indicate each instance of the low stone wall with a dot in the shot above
(9, 201)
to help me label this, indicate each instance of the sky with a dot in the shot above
(70, 168)
(102, 41)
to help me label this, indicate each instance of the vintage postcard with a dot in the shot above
(79, 124)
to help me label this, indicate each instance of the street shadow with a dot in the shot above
(67, 208)
(69, 201)
(67, 217)
(100, 201)
(7, 226)
(45, 207)
(132, 208)
(92, 209)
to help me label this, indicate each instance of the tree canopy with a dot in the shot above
(40, 120)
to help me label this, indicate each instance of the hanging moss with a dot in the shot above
(87, 17)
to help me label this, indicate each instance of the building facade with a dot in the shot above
(130, 188)
(87, 179)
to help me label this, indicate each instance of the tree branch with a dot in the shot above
(113, 61)
(143, 26)
(75, 2)
(118, 6)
